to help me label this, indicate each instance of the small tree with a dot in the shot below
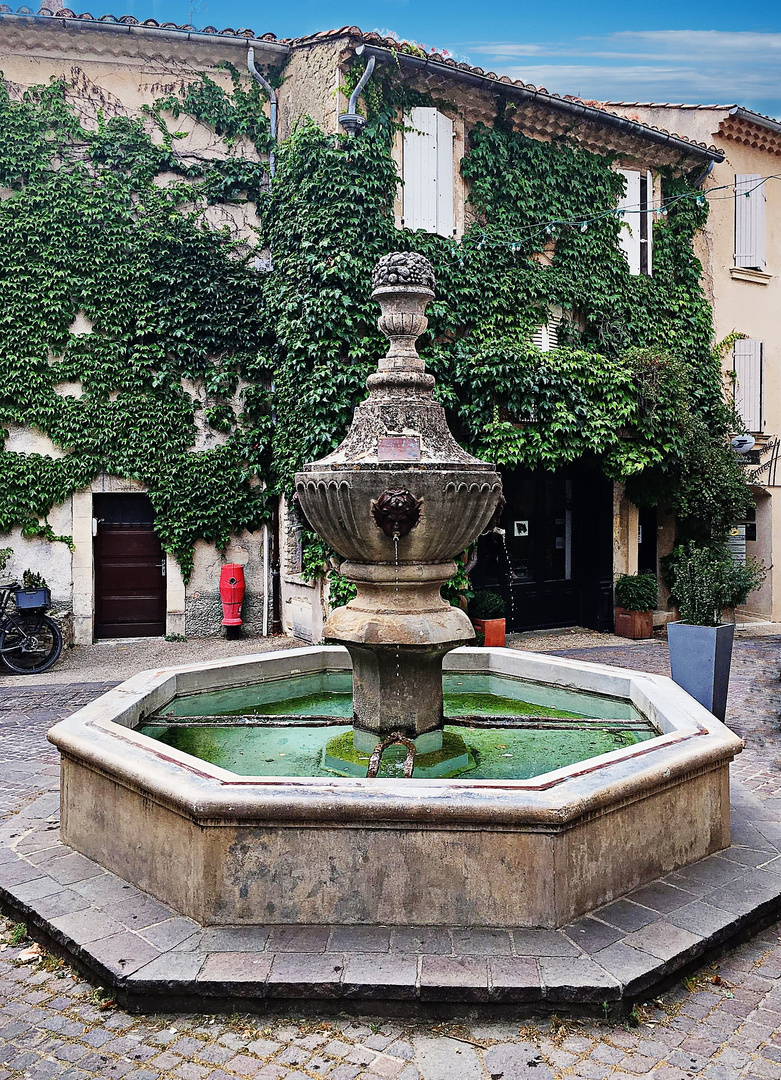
(705, 580)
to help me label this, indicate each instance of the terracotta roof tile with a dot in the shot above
(371, 38)
(57, 12)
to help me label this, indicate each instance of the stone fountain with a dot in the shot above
(460, 843)
(398, 500)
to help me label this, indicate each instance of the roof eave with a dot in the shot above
(755, 118)
(551, 101)
(156, 33)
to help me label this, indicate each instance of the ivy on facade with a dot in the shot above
(108, 223)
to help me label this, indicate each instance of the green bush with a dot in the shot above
(705, 580)
(637, 592)
(486, 605)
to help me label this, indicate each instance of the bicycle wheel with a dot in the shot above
(32, 645)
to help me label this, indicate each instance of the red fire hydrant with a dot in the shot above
(232, 595)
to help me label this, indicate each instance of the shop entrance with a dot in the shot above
(554, 566)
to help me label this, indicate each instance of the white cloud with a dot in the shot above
(697, 66)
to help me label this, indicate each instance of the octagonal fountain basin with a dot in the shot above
(233, 791)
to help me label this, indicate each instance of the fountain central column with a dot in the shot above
(398, 499)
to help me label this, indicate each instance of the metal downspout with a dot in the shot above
(272, 98)
(270, 558)
(363, 79)
(351, 121)
(276, 582)
(704, 174)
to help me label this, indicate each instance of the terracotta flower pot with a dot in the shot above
(634, 624)
(493, 630)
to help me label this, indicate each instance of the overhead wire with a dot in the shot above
(533, 231)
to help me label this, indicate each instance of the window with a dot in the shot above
(636, 236)
(547, 337)
(750, 221)
(748, 383)
(427, 171)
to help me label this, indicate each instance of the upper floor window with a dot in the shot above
(749, 388)
(428, 172)
(750, 221)
(636, 236)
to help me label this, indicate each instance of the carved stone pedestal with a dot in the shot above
(399, 499)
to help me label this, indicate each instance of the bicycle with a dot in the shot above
(30, 641)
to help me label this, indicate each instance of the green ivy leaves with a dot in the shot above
(107, 226)
(91, 231)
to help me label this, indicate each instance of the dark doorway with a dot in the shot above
(555, 565)
(646, 541)
(129, 568)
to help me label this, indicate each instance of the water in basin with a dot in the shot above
(511, 728)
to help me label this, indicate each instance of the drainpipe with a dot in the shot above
(276, 590)
(266, 578)
(351, 121)
(704, 174)
(270, 558)
(272, 98)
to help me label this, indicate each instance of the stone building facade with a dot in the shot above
(116, 67)
(740, 251)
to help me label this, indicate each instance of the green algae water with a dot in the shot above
(499, 728)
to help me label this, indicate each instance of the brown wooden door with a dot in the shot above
(129, 569)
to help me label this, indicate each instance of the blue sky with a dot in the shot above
(696, 51)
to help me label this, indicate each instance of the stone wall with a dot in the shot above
(116, 71)
(203, 608)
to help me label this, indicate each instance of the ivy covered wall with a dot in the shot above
(172, 386)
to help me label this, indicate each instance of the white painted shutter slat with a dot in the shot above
(629, 236)
(748, 383)
(420, 169)
(445, 215)
(750, 221)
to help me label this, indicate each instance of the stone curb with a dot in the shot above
(149, 955)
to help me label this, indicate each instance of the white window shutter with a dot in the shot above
(748, 383)
(629, 203)
(420, 170)
(750, 221)
(547, 337)
(649, 222)
(445, 216)
(428, 171)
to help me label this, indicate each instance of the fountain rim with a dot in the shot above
(694, 742)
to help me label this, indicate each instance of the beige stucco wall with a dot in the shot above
(747, 302)
(117, 71)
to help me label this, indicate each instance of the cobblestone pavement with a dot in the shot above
(722, 1023)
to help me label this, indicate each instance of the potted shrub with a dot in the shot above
(704, 581)
(486, 610)
(636, 598)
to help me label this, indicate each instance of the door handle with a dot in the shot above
(162, 567)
